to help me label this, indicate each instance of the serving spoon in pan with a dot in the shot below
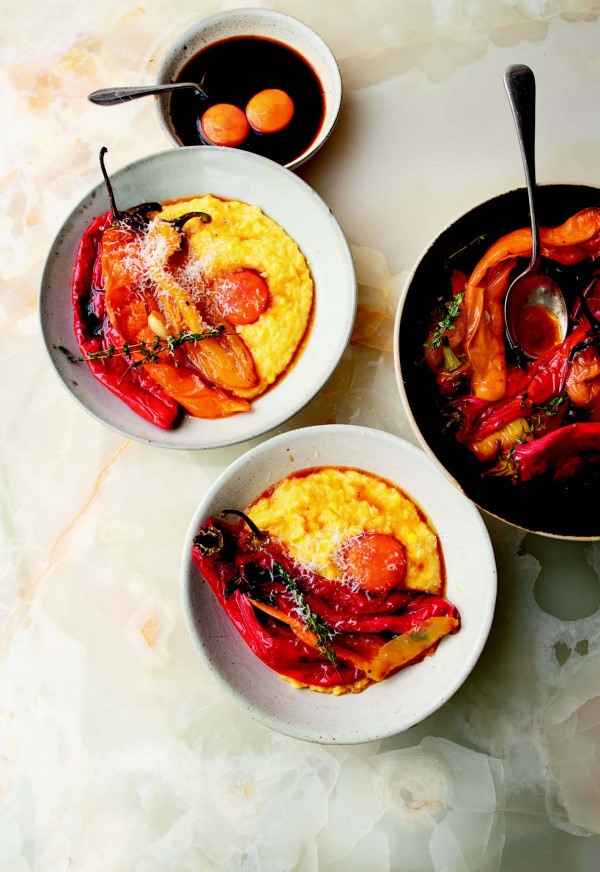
(533, 304)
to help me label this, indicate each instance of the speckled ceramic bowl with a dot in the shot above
(412, 694)
(235, 175)
(263, 23)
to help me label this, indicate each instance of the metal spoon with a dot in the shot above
(114, 96)
(530, 288)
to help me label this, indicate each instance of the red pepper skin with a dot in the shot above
(343, 610)
(136, 388)
(415, 612)
(338, 598)
(544, 378)
(272, 643)
(576, 240)
(560, 452)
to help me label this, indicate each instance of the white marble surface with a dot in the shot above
(116, 750)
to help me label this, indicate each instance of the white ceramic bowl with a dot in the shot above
(256, 22)
(413, 693)
(235, 175)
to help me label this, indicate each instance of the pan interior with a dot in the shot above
(543, 506)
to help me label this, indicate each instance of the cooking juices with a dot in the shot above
(235, 70)
(537, 329)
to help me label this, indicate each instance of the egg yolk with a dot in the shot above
(241, 296)
(377, 563)
(270, 111)
(225, 124)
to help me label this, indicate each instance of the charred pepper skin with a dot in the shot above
(249, 575)
(539, 419)
(134, 386)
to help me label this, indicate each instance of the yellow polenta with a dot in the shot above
(241, 236)
(315, 514)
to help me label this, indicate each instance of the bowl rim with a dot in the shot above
(187, 568)
(194, 30)
(63, 230)
(398, 368)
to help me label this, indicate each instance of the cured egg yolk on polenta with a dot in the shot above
(347, 524)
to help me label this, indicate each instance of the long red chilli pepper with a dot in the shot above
(134, 386)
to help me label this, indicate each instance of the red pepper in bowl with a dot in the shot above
(316, 631)
(134, 386)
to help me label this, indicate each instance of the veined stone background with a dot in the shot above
(117, 752)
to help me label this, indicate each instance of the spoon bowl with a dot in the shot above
(535, 313)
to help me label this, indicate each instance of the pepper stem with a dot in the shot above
(260, 535)
(111, 196)
(209, 541)
(183, 219)
(451, 361)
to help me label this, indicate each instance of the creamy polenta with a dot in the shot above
(316, 513)
(240, 236)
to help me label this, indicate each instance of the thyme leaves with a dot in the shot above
(313, 622)
(458, 251)
(447, 322)
(548, 409)
(149, 351)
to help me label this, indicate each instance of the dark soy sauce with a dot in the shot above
(233, 71)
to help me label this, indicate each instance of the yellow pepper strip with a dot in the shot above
(408, 646)
(502, 440)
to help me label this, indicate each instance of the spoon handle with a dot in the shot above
(114, 96)
(519, 82)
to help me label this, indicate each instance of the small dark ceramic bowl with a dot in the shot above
(562, 510)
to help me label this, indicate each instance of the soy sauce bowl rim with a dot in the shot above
(332, 97)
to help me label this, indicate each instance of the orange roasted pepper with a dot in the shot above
(456, 334)
(128, 305)
(224, 360)
(583, 381)
(576, 239)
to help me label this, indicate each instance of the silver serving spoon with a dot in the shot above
(114, 96)
(530, 288)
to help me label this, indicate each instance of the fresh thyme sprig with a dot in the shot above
(314, 623)
(447, 322)
(520, 440)
(464, 247)
(549, 409)
(149, 351)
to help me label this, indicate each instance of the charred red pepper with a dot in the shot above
(513, 414)
(308, 628)
(561, 453)
(123, 336)
(94, 333)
